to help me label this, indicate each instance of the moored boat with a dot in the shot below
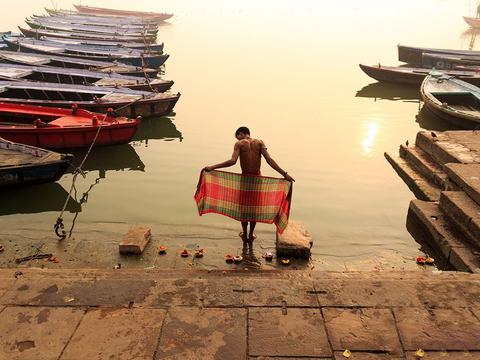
(92, 21)
(113, 31)
(88, 39)
(413, 76)
(23, 165)
(448, 61)
(15, 57)
(116, 12)
(125, 102)
(56, 128)
(414, 55)
(129, 57)
(81, 77)
(115, 19)
(452, 99)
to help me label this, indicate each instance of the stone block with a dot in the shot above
(362, 330)
(438, 329)
(295, 241)
(36, 332)
(120, 334)
(287, 333)
(467, 177)
(199, 333)
(135, 241)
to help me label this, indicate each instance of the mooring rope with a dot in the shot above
(59, 227)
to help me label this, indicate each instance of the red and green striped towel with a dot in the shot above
(245, 197)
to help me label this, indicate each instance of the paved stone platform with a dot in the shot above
(174, 314)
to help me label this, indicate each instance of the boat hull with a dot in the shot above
(70, 138)
(114, 12)
(411, 76)
(461, 119)
(32, 174)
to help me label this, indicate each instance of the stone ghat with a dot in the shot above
(137, 314)
(443, 171)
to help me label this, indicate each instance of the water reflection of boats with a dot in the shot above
(429, 121)
(103, 159)
(36, 199)
(162, 128)
(386, 91)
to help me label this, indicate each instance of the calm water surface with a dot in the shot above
(289, 71)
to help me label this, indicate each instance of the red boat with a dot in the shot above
(125, 13)
(55, 128)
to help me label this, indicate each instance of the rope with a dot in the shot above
(59, 227)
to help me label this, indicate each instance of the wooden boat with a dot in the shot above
(413, 76)
(55, 128)
(115, 12)
(37, 33)
(129, 57)
(90, 29)
(447, 62)
(14, 57)
(414, 55)
(452, 99)
(80, 39)
(473, 22)
(112, 19)
(92, 21)
(81, 77)
(22, 165)
(125, 102)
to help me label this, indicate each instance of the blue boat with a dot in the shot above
(23, 165)
(126, 56)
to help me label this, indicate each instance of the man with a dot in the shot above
(250, 152)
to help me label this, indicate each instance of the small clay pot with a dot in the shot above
(238, 259)
(184, 253)
(229, 258)
(162, 250)
(199, 253)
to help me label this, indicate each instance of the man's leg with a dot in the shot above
(245, 231)
(252, 228)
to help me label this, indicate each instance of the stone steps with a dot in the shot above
(462, 211)
(427, 167)
(417, 183)
(442, 236)
(467, 177)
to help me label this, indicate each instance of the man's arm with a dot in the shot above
(231, 162)
(274, 165)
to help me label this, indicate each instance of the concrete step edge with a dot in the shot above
(453, 172)
(432, 146)
(415, 181)
(422, 162)
(452, 247)
(462, 211)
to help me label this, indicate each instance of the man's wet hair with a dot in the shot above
(243, 130)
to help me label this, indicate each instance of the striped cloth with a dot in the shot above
(245, 197)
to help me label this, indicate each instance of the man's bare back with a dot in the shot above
(250, 155)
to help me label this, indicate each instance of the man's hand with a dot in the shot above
(288, 177)
(208, 168)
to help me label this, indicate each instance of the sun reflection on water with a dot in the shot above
(370, 137)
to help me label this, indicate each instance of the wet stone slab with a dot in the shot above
(362, 330)
(274, 292)
(199, 333)
(287, 332)
(215, 292)
(101, 292)
(438, 329)
(367, 292)
(120, 334)
(36, 332)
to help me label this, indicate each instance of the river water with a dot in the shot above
(289, 71)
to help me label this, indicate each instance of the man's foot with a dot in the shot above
(250, 238)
